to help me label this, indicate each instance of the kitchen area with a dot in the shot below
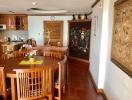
(13, 32)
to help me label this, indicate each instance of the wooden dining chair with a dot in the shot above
(48, 53)
(34, 83)
(53, 54)
(60, 82)
(3, 90)
(20, 53)
(57, 54)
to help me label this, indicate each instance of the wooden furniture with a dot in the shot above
(48, 53)
(34, 83)
(14, 21)
(21, 53)
(61, 81)
(3, 91)
(79, 38)
(53, 32)
(11, 64)
(53, 54)
(63, 50)
(0, 48)
(58, 55)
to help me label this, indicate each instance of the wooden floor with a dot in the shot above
(79, 83)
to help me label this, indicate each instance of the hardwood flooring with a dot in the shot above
(79, 84)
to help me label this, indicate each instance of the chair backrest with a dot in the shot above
(20, 53)
(3, 82)
(58, 54)
(34, 83)
(47, 53)
(62, 71)
(53, 54)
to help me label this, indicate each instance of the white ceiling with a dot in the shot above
(21, 6)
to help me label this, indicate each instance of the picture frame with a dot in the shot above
(79, 39)
(121, 49)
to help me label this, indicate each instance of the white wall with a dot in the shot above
(36, 29)
(95, 42)
(116, 84)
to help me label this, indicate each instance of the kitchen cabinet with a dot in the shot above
(10, 22)
(2, 19)
(14, 22)
(21, 22)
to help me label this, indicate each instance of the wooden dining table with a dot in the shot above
(16, 63)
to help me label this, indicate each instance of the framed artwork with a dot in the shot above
(79, 39)
(121, 51)
(53, 32)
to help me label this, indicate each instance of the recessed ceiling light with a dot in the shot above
(48, 11)
(34, 3)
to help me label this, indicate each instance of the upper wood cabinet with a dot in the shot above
(14, 22)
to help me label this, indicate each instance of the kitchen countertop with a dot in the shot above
(12, 43)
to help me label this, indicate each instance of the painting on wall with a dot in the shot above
(53, 33)
(121, 51)
(79, 39)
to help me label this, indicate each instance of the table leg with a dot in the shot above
(13, 88)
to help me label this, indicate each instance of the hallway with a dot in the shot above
(79, 84)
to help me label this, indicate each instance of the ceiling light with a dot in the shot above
(34, 3)
(48, 11)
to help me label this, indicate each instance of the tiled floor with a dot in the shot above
(79, 84)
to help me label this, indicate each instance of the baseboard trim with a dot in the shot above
(79, 59)
(98, 91)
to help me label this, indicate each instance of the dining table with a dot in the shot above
(24, 63)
